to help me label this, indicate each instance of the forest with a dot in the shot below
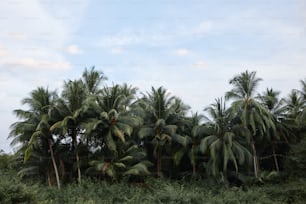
(95, 143)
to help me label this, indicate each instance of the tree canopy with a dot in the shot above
(110, 132)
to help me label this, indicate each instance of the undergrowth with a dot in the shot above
(13, 190)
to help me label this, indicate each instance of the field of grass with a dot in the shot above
(12, 190)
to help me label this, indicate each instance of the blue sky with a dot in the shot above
(192, 48)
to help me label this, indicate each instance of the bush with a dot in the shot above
(295, 163)
(13, 191)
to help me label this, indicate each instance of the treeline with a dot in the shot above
(114, 132)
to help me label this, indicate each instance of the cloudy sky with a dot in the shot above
(192, 47)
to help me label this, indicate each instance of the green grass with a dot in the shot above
(13, 190)
(165, 191)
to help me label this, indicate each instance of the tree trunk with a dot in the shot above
(255, 159)
(193, 162)
(62, 168)
(275, 158)
(49, 179)
(75, 144)
(193, 169)
(54, 165)
(78, 165)
(159, 162)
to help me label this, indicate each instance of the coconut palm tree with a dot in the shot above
(118, 97)
(192, 132)
(130, 161)
(224, 143)
(294, 105)
(129, 97)
(295, 109)
(303, 90)
(281, 133)
(43, 132)
(110, 126)
(253, 115)
(92, 80)
(160, 121)
(111, 122)
(70, 114)
(302, 117)
(34, 131)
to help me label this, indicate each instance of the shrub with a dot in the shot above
(13, 191)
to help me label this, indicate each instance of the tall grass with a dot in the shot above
(13, 190)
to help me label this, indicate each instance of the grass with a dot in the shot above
(12, 190)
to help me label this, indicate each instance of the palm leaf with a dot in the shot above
(118, 133)
(127, 129)
(110, 143)
(146, 132)
(138, 169)
(178, 155)
(120, 165)
(126, 158)
(181, 139)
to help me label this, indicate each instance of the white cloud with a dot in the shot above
(34, 64)
(182, 52)
(29, 55)
(202, 28)
(30, 33)
(15, 36)
(73, 49)
(4, 51)
(200, 65)
(121, 39)
(261, 24)
(117, 50)
(159, 35)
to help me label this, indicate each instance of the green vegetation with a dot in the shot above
(94, 143)
(154, 191)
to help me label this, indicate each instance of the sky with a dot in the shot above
(192, 48)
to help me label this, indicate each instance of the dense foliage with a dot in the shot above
(116, 134)
(12, 190)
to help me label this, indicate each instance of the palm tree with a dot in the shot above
(70, 109)
(92, 80)
(303, 91)
(118, 97)
(111, 121)
(224, 143)
(130, 161)
(295, 110)
(294, 105)
(34, 131)
(160, 122)
(282, 132)
(253, 115)
(108, 126)
(43, 132)
(192, 133)
(128, 94)
(303, 94)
